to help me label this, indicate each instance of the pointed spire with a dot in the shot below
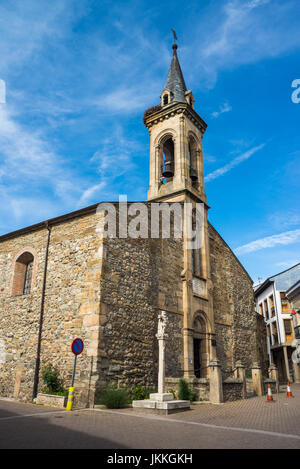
(175, 81)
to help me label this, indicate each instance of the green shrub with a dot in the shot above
(138, 393)
(184, 391)
(113, 398)
(171, 391)
(52, 381)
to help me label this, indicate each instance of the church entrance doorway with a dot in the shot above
(197, 364)
(201, 347)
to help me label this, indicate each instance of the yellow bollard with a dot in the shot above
(70, 398)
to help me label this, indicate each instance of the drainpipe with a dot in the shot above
(277, 314)
(38, 353)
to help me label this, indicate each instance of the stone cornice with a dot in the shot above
(173, 109)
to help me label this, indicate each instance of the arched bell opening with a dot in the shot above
(168, 161)
(201, 347)
(193, 163)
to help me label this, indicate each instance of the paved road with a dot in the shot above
(252, 423)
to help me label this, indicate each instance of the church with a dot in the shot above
(61, 279)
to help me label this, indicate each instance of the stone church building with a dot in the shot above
(61, 279)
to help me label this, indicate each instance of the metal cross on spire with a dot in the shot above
(175, 35)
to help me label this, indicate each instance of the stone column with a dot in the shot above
(286, 362)
(257, 380)
(297, 372)
(273, 374)
(161, 337)
(188, 357)
(161, 363)
(215, 382)
(240, 373)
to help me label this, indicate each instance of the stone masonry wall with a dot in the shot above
(72, 296)
(261, 344)
(141, 277)
(108, 292)
(234, 308)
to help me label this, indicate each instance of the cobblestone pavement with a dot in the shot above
(252, 423)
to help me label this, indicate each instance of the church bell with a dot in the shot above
(193, 175)
(168, 172)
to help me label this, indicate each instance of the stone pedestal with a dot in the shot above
(273, 374)
(215, 382)
(257, 380)
(240, 374)
(163, 404)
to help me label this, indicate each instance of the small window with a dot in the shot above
(165, 99)
(28, 278)
(23, 271)
(288, 330)
(275, 333)
(266, 308)
(284, 303)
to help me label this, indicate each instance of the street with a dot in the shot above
(251, 423)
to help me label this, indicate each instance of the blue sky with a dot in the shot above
(79, 76)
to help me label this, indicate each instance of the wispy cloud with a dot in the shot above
(287, 264)
(91, 191)
(245, 32)
(285, 219)
(222, 109)
(127, 99)
(238, 160)
(288, 237)
(113, 161)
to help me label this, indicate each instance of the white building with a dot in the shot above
(273, 304)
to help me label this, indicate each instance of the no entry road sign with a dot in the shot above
(77, 346)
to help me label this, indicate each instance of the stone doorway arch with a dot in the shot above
(201, 345)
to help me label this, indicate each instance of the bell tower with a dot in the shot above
(176, 175)
(176, 131)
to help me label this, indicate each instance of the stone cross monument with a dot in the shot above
(161, 337)
(161, 402)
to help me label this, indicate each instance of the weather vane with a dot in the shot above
(175, 35)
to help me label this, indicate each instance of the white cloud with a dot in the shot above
(238, 160)
(90, 192)
(287, 264)
(222, 109)
(289, 237)
(285, 219)
(113, 160)
(240, 32)
(33, 176)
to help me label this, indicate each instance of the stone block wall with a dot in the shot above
(232, 389)
(234, 308)
(199, 385)
(108, 292)
(71, 307)
(140, 278)
(261, 344)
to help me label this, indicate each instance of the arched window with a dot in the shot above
(196, 253)
(168, 159)
(23, 272)
(193, 160)
(165, 99)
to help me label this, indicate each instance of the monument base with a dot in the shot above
(162, 404)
